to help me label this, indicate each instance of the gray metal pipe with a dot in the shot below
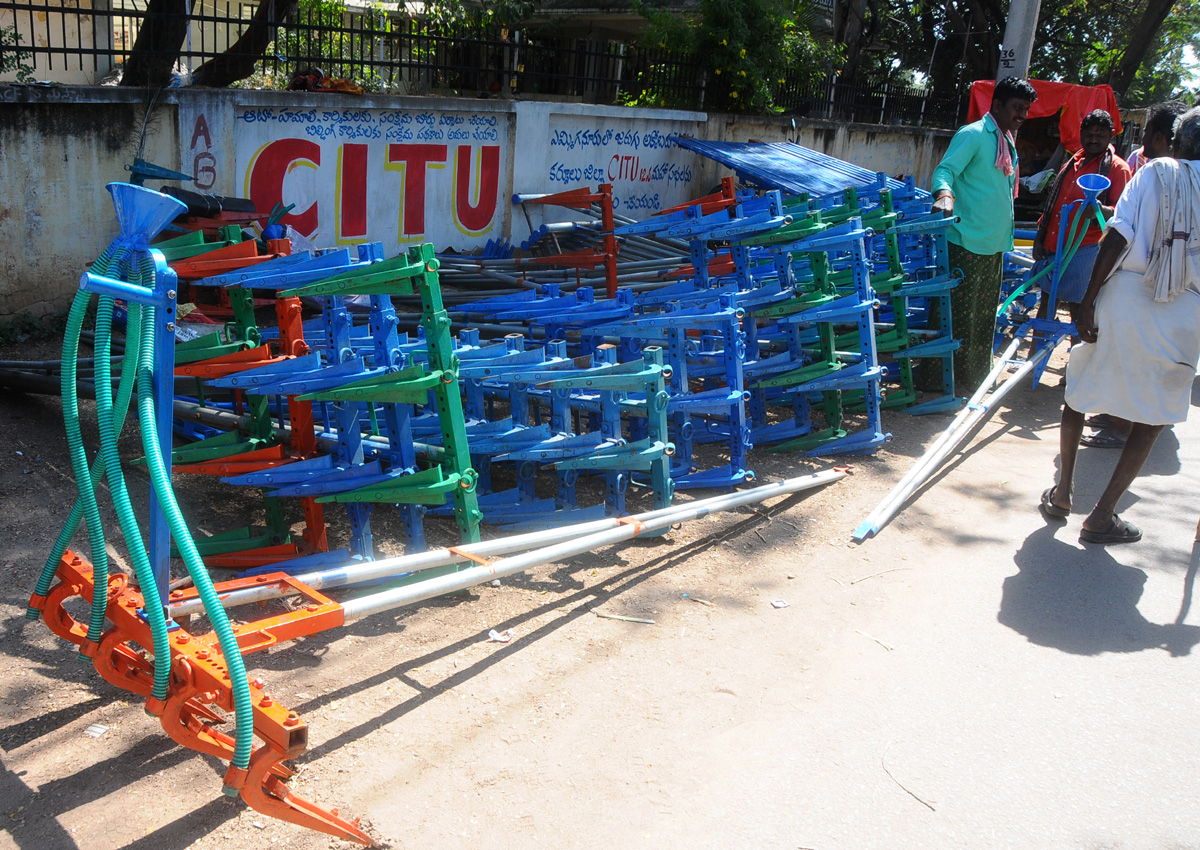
(192, 412)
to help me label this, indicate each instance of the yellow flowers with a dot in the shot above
(733, 94)
(743, 53)
(725, 42)
(718, 70)
(743, 73)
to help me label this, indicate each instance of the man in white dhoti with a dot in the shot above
(1140, 326)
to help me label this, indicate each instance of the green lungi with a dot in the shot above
(973, 306)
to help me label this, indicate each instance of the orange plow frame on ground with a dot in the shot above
(200, 683)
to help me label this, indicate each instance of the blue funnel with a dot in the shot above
(142, 213)
(1092, 185)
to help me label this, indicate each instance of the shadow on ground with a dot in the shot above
(1082, 601)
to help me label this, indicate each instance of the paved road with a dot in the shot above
(1032, 693)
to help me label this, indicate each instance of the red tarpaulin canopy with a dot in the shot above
(1074, 101)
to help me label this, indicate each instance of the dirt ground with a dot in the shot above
(580, 732)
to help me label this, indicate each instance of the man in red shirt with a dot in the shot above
(1095, 156)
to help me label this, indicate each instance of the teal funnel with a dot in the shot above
(1092, 185)
(142, 213)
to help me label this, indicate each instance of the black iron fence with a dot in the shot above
(55, 39)
(869, 102)
(386, 53)
(383, 53)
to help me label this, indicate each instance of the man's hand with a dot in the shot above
(1039, 248)
(1085, 323)
(944, 204)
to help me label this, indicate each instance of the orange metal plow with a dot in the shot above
(200, 689)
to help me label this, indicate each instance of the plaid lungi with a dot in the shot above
(973, 306)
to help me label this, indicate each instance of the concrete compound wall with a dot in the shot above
(399, 170)
(899, 151)
(56, 155)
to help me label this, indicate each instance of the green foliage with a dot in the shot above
(1078, 41)
(25, 328)
(11, 60)
(652, 90)
(749, 49)
(487, 13)
(1088, 39)
(313, 38)
(1164, 74)
(262, 78)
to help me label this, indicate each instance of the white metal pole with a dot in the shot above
(389, 599)
(386, 567)
(937, 454)
(872, 522)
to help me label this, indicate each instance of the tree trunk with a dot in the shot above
(943, 67)
(856, 30)
(158, 43)
(987, 25)
(1140, 41)
(853, 30)
(239, 61)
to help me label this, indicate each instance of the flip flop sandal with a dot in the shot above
(1118, 531)
(1103, 440)
(1049, 508)
(1100, 420)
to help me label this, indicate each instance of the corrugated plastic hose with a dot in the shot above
(105, 265)
(1068, 255)
(79, 465)
(243, 707)
(110, 459)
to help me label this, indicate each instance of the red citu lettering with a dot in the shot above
(475, 218)
(415, 159)
(267, 174)
(352, 203)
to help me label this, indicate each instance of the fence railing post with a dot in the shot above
(102, 37)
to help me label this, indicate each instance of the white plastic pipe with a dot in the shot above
(388, 600)
(361, 571)
(966, 419)
(922, 464)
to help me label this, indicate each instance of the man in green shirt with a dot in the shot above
(976, 181)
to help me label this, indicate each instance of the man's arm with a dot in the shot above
(958, 157)
(943, 202)
(1112, 245)
(1040, 252)
(1039, 246)
(1039, 239)
(1118, 179)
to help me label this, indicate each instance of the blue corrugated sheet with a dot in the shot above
(789, 167)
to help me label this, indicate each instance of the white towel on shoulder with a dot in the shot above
(1175, 250)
